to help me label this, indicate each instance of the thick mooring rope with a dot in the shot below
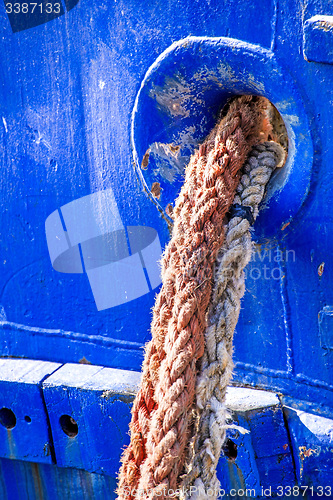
(216, 363)
(162, 411)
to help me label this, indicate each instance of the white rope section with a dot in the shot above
(216, 365)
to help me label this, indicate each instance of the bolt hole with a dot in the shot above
(68, 425)
(27, 419)
(7, 418)
(230, 450)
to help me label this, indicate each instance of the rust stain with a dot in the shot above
(84, 361)
(11, 444)
(38, 486)
(145, 160)
(174, 149)
(325, 25)
(169, 210)
(285, 225)
(321, 269)
(304, 452)
(281, 457)
(46, 450)
(107, 394)
(285, 446)
(156, 190)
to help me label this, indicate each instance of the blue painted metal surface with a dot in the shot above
(24, 430)
(99, 400)
(73, 137)
(143, 83)
(264, 458)
(177, 107)
(318, 39)
(311, 437)
(270, 442)
(28, 480)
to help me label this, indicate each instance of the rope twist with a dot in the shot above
(216, 364)
(162, 413)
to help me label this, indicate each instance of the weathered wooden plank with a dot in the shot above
(24, 430)
(89, 411)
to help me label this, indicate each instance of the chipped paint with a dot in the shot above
(321, 269)
(209, 76)
(145, 160)
(325, 25)
(320, 22)
(107, 394)
(291, 119)
(168, 161)
(156, 190)
(174, 149)
(5, 123)
(176, 96)
(46, 450)
(226, 72)
(169, 210)
(84, 361)
(304, 453)
(307, 452)
(285, 225)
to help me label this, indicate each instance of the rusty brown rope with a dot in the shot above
(161, 414)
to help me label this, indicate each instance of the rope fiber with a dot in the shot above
(216, 364)
(173, 408)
